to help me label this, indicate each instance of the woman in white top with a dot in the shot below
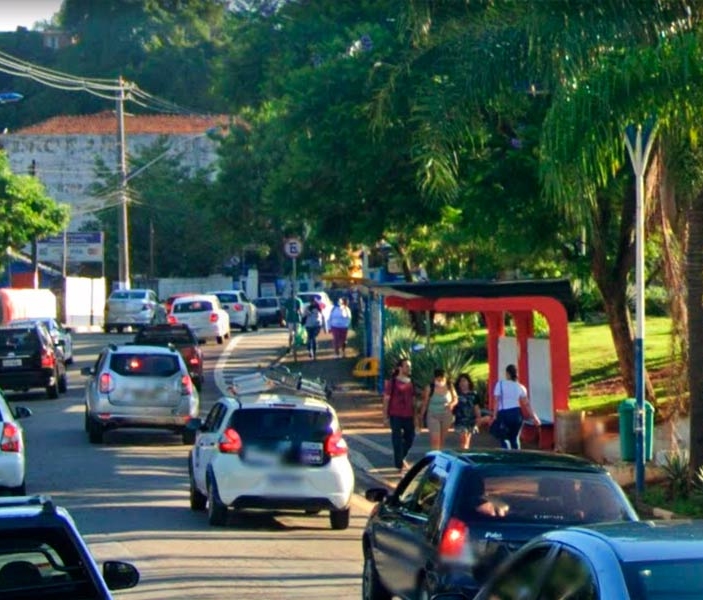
(510, 402)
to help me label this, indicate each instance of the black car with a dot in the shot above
(455, 516)
(29, 359)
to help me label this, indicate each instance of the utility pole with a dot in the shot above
(35, 241)
(151, 248)
(123, 224)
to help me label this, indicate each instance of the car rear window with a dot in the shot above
(258, 423)
(191, 307)
(546, 497)
(144, 365)
(19, 339)
(127, 295)
(266, 302)
(179, 337)
(228, 297)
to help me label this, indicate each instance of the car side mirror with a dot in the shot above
(87, 371)
(120, 575)
(376, 494)
(195, 424)
(21, 412)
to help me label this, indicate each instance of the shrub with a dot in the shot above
(656, 301)
(678, 478)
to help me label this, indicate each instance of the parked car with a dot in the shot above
(132, 308)
(42, 555)
(455, 516)
(242, 312)
(269, 310)
(203, 314)
(139, 386)
(645, 560)
(61, 336)
(181, 337)
(270, 451)
(29, 359)
(322, 299)
(12, 463)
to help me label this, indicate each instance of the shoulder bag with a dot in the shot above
(499, 428)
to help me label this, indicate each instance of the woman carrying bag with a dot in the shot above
(510, 402)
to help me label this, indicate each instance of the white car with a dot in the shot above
(242, 312)
(132, 308)
(12, 461)
(270, 451)
(203, 314)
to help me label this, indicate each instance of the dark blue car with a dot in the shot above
(455, 516)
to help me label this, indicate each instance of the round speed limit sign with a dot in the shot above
(293, 247)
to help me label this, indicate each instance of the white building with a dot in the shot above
(65, 150)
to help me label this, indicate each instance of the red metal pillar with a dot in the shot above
(524, 330)
(496, 328)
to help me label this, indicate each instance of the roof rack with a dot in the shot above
(45, 502)
(279, 377)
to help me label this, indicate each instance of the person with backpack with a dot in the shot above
(313, 321)
(438, 401)
(399, 412)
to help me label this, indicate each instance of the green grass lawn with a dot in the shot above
(593, 360)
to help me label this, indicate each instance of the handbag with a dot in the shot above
(499, 428)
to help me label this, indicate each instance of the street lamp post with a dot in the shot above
(639, 140)
(123, 224)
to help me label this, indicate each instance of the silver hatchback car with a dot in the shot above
(139, 386)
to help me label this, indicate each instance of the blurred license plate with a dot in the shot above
(311, 453)
(284, 478)
(12, 362)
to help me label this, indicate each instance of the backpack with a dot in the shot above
(313, 318)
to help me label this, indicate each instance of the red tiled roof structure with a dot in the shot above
(105, 123)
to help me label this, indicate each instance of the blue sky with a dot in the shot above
(25, 12)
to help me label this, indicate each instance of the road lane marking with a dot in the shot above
(371, 444)
(222, 361)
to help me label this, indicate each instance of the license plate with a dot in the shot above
(284, 478)
(12, 362)
(311, 453)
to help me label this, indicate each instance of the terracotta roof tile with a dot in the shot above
(105, 123)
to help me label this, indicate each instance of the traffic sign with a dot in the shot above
(293, 247)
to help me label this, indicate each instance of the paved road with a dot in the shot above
(130, 499)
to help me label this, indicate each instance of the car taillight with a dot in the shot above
(193, 360)
(336, 445)
(48, 360)
(238, 307)
(186, 385)
(146, 306)
(172, 320)
(106, 385)
(10, 441)
(453, 539)
(230, 442)
(214, 317)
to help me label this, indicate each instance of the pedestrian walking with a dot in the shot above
(314, 321)
(293, 307)
(467, 412)
(399, 412)
(340, 319)
(510, 401)
(439, 400)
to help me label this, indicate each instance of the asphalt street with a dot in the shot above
(129, 497)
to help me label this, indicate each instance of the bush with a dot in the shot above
(656, 301)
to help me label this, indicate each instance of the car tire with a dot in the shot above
(20, 490)
(216, 511)
(245, 326)
(422, 592)
(339, 519)
(63, 384)
(52, 391)
(96, 432)
(198, 501)
(69, 361)
(220, 339)
(255, 326)
(119, 329)
(312, 511)
(188, 437)
(371, 586)
(198, 383)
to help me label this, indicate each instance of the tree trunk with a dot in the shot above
(694, 282)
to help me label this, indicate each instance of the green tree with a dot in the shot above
(26, 212)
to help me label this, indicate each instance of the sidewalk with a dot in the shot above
(359, 411)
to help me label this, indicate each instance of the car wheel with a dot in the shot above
(422, 593)
(371, 586)
(339, 519)
(52, 391)
(255, 326)
(120, 329)
(198, 501)
(95, 432)
(20, 490)
(198, 383)
(63, 384)
(220, 339)
(246, 324)
(216, 511)
(69, 361)
(188, 437)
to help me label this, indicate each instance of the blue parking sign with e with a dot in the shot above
(293, 248)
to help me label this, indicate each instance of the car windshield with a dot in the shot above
(228, 297)
(19, 340)
(280, 423)
(144, 365)
(162, 337)
(266, 302)
(127, 295)
(558, 497)
(664, 579)
(42, 562)
(192, 306)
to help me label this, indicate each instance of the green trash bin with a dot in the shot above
(627, 410)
